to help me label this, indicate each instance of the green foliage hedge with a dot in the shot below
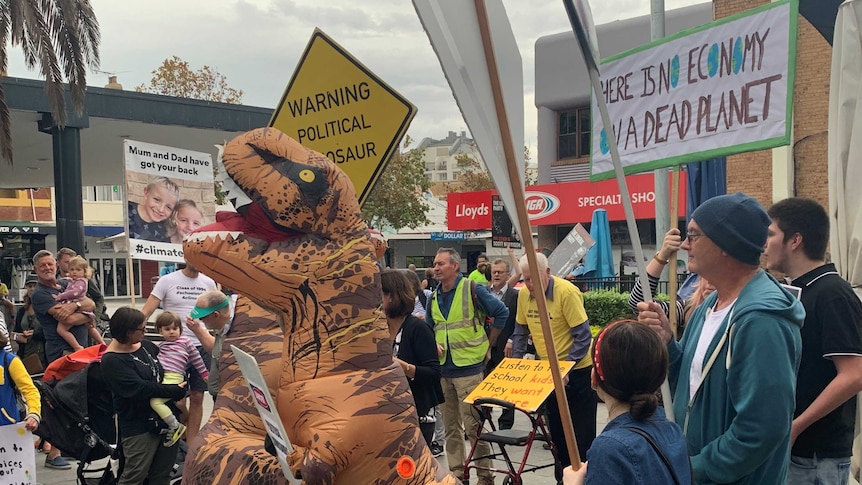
(607, 306)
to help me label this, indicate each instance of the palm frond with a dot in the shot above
(40, 37)
(4, 39)
(88, 32)
(65, 34)
(5, 128)
(61, 39)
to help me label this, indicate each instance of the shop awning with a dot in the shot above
(102, 231)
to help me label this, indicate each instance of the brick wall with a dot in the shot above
(752, 172)
(149, 276)
(25, 213)
(811, 113)
(22, 210)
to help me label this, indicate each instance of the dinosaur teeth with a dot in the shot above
(214, 236)
(233, 192)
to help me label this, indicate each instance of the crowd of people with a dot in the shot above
(58, 318)
(763, 374)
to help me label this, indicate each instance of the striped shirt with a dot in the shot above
(175, 356)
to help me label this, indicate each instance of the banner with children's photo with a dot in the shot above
(169, 194)
(17, 460)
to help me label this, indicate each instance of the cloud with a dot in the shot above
(257, 44)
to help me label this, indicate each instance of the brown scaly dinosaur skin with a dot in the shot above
(233, 437)
(302, 250)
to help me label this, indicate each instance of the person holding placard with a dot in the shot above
(684, 308)
(177, 292)
(733, 373)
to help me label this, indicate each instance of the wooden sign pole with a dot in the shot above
(526, 232)
(673, 284)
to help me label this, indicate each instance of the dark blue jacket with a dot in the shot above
(620, 455)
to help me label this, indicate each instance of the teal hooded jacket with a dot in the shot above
(738, 424)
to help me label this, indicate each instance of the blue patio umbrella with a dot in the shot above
(600, 259)
(706, 179)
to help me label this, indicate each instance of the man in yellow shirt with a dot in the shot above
(570, 328)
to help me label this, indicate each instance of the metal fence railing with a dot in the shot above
(621, 284)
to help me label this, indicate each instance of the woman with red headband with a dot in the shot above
(639, 444)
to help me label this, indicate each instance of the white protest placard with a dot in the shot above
(17, 460)
(169, 194)
(585, 30)
(717, 90)
(571, 249)
(266, 408)
(452, 28)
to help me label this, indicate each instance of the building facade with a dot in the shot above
(441, 159)
(564, 118)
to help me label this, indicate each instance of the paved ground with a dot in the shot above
(538, 456)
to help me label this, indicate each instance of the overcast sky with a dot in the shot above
(256, 45)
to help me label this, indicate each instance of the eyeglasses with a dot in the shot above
(694, 236)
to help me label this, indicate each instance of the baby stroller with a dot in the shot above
(78, 418)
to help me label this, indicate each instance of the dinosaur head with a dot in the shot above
(285, 195)
(299, 191)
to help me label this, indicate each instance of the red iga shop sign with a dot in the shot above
(563, 203)
(469, 211)
(573, 202)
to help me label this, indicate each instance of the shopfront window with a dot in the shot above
(420, 261)
(114, 276)
(102, 193)
(16, 260)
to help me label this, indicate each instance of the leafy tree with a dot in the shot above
(396, 199)
(176, 78)
(474, 177)
(60, 38)
(531, 174)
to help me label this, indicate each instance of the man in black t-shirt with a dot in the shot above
(830, 372)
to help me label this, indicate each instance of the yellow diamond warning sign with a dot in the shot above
(335, 105)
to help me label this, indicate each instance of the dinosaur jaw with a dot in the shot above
(251, 222)
(232, 249)
(245, 235)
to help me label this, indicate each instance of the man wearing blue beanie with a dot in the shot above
(733, 373)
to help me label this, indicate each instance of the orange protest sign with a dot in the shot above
(524, 383)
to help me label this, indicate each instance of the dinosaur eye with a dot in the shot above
(306, 175)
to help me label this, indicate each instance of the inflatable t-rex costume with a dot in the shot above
(229, 448)
(299, 247)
